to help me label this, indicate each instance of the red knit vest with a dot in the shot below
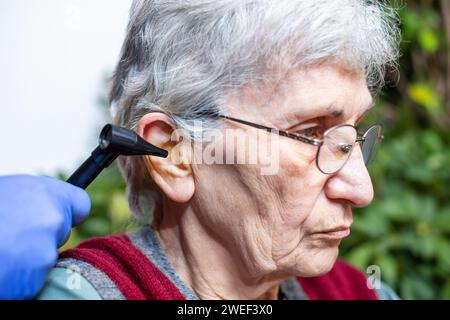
(138, 278)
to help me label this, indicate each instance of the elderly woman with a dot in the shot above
(262, 219)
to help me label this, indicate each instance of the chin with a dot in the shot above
(315, 264)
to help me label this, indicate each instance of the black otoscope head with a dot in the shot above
(113, 142)
(127, 143)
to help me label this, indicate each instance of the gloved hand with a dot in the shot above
(36, 216)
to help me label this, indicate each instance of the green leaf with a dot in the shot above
(431, 142)
(428, 40)
(443, 254)
(389, 267)
(96, 226)
(426, 246)
(442, 220)
(119, 211)
(371, 223)
(73, 240)
(446, 291)
(360, 256)
(411, 23)
(424, 95)
(416, 288)
(395, 209)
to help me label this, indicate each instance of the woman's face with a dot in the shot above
(290, 222)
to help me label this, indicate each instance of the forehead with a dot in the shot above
(328, 88)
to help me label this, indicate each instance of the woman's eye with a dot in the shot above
(315, 132)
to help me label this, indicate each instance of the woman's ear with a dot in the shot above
(172, 175)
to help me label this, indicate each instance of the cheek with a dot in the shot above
(300, 184)
(297, 159)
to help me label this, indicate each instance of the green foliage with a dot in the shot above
(406, 230)
(109, 214)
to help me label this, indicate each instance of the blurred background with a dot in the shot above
(55, 57)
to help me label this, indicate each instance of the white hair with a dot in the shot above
(180, 56)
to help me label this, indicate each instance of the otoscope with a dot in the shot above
(113, 141)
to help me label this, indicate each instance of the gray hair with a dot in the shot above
(181, 56)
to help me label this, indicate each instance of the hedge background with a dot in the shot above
(406, 230)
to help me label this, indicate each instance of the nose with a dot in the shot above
(352, 183)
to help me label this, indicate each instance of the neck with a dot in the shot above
(204, 262)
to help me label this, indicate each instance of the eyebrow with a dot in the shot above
(336, 113)
(339, 113)
(332, 109)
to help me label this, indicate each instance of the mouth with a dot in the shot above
(336, 233)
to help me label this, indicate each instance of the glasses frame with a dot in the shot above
(360, 137)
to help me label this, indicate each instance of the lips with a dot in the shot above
(334, 233)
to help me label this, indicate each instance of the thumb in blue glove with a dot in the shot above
(36, 216)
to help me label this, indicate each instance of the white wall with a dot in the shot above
(54, 55)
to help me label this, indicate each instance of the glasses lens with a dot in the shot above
(370, 144)
(336, 148)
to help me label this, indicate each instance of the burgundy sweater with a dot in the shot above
(138, 278)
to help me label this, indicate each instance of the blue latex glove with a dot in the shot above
(36, 216)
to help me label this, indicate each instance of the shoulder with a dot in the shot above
(84, 272)
(126, 266)
(385, 292)
(66, 284)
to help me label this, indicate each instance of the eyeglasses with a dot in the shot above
(336, 145)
